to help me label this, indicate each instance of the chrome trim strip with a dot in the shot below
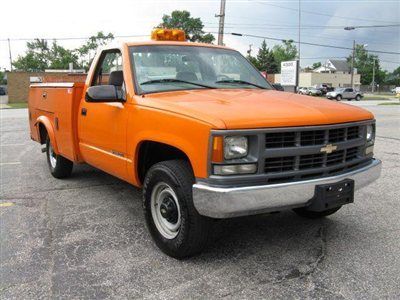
(217, 202)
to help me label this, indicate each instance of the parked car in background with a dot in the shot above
(2, 91)
(278, 87)
(314, 92)
(345, 93)
(323, 88)
(303, 91)
(395, 90)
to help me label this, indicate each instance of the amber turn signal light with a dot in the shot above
(217, 154)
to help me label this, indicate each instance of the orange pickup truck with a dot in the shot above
(205, 136)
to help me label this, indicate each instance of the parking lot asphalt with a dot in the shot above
(84, 237)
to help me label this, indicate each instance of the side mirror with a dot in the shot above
(103, 93)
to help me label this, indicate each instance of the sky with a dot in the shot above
(322, 22)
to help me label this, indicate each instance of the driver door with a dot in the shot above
(102, 126)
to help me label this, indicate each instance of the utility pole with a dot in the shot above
(299, 29)
(298, 69)
(352, 64)
(9, 52)
(373, 75)
(221, 23)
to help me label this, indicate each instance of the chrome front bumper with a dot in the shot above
(218, 202)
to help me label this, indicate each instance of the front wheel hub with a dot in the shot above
(165, 210)
(169, 210)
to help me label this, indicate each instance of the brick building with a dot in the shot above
(18, 82)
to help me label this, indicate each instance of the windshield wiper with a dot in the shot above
(177, 80)
(234, 81)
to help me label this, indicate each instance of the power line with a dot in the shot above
(310, 44)
(323, 14)
(276, 26)
(68, 38)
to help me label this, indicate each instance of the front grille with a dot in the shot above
(311, 161)
(353, 132)
(310, 137)
(279, 164)
(279, 139)
(298, 154)
(336, 135)
(351, 153)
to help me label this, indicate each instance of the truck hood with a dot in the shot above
(255, 108)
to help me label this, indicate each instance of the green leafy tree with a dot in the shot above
(316, 65)
(253, 60)
(393, 78)
(36, 57)
(60, 58)
(193, 27)
(3, 78)
(364, 62)
(265, 60)
(286, 51)
(87, 51)
(41, 55)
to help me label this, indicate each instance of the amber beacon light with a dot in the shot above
(162, 34)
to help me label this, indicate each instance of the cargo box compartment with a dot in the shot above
(59, 103)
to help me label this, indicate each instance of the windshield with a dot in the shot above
(339, 89)
(166, 68)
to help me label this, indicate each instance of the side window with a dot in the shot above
(110, 61)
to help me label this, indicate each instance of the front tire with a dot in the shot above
(303, 212)
(59, 166)
(174, 223)
(338, 97)
(358, 98)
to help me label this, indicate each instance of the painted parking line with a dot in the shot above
(6, 204)
(10, 163)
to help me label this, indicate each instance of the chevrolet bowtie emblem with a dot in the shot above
(328, 148)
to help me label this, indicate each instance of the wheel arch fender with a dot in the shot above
(176, 148)
(44, 122)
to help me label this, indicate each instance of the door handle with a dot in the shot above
(83, 111)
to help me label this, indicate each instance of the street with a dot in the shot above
(85, 237)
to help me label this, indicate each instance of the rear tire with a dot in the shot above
(59, 166)
(303, 212)
(338, 97)
(358, 98)
(174, 223)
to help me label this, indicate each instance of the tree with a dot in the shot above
(364, 63)
(41, 56)
(193, 27)
(393, 78)
(266, 60)
(285, 52)
(253, 60)
(316, 65)
(87, 51)
(2, 78)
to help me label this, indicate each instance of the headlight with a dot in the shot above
(235, 147)
(370, 133)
